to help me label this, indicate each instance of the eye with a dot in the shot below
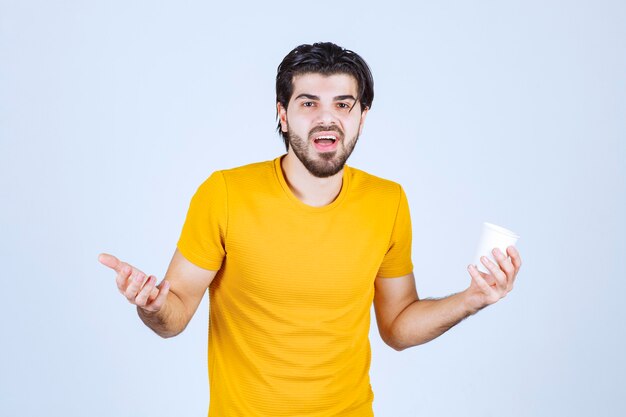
(308, 104)
(343, 105)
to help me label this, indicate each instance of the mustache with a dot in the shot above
(330, 128)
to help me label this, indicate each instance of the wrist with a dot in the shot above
(151, 318)
(145, 312)
(472, 302)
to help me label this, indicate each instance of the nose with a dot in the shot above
(326, 116)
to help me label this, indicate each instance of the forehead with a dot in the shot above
(324, 85)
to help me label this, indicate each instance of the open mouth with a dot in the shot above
(325, 140)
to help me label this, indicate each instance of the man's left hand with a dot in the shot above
(486, 289)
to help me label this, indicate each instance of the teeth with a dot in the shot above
(327, 137)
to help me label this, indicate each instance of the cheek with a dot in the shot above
(354, 125)
(297, 123)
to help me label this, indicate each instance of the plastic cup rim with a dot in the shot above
(501, 229)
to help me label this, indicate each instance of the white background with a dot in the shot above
(113, 112)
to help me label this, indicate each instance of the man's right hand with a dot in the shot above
(132, 283)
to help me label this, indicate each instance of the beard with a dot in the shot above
(322, 164)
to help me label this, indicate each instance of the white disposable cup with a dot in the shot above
(493, 236)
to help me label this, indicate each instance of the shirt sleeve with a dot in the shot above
(202, 240)
(397, 261)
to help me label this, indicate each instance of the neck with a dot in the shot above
(309, 189)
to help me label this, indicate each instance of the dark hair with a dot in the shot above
(323, 58)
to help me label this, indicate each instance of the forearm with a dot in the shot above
(425, 320)
(169, 321)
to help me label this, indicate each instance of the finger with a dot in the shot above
(122, 277)
(142, 297)
(516, 259)
(153, 294)
(489, 279)
(137, 275)
(490, 295)
(505, 263)
(110, 261)
(164, 289)
(479, 280)
(497, 273)
(507, 266)
(135, 284)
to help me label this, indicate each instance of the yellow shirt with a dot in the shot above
(290, 306)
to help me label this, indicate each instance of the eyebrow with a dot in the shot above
(336, 98)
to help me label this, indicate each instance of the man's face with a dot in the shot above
(323, 121)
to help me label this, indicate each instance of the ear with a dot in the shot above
(362, 122)
(282, 115)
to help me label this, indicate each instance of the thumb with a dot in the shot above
(109, 260)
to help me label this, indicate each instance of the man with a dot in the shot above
(294, 251)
